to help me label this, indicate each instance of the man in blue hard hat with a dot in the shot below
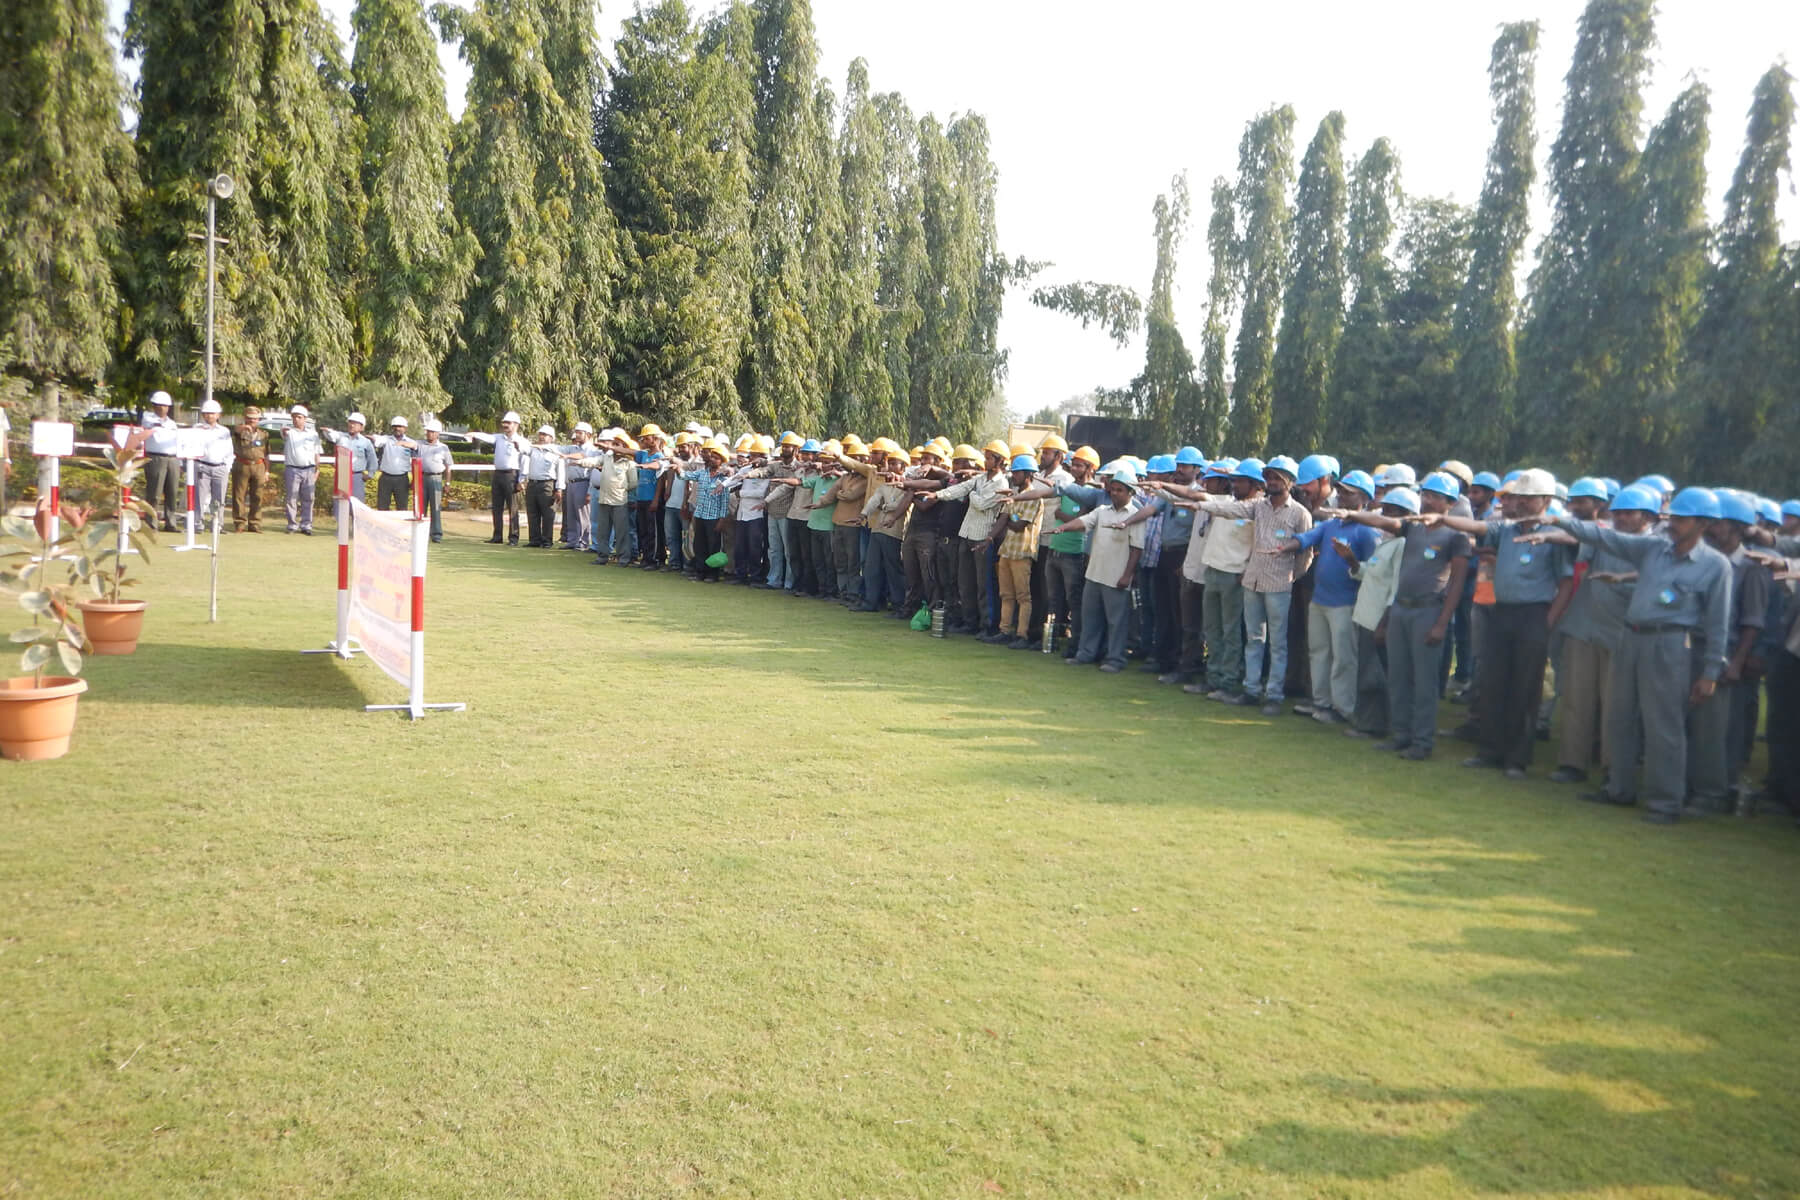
(1340, 546)
(1682, 600)
(1592, 627)
(1111, 569)
(1721, 728)
(1224, 555)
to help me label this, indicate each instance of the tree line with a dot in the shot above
(1380, 325)
(696, 225)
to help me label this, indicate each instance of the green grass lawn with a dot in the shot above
(723, 893)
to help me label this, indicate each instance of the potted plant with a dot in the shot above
(37, 711)
(113, 623)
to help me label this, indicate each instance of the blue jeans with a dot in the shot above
(671, 519)
(1265, 625)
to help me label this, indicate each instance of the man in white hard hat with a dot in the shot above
(362, 451)
(507, 481)
(577, 521)
(162, 472)
(395, 453)
(543, 487)
(212, 471)
(300, 478)
(435, 462)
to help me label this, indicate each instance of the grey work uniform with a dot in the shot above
(1679, 598)
(1590, 630)
(1412, 663)
(1715, 756)
(1516, 641)
(434, 463)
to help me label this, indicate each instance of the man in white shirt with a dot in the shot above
(300, 474)
(543, 487)
(162, 470)
(576, 518)
(435, 462)
(213, 469)
(508, 479)
(395, 453)
(1117, 543)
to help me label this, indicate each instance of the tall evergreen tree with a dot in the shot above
(1221, 298)
(1739, 383)
(675, 137)
(1312, 318)
(862, 393)
(1486, 366)
(1365, 354)
(66, 170)
(979, 366)
(788, 182)
(1265, 169)
(902, 256)
(1418, 395)
(1662, 290)
(1573, 333)
(416, 267)
(946, 293)
(256, 89)
(1166, 397)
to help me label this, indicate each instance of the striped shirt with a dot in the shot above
(1270, 526)
(1022, 543)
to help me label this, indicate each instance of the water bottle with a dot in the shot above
(1050, 635)
(937, 621)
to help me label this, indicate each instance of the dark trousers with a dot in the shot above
(503, 498)
(1371, 684)
(750, 549)
(1067, 575)
(918, 556)
(434, 505)
(708, 541)
(1193, 628)
(1784, 730)
(824, 573)
(800, 556)
(1040, 593)
(162, 487)
(393, 490)
(540, 511)
(949, 566)
(1515, 643)
(648, 521)
(972, 581)
(1299, 660)
(884, 583)
(1461, 640)
(1165, 579)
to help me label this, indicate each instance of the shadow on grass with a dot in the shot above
(181, 675)
(1657, 1018)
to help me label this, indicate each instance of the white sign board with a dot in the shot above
(191, 443)
(52, 439)
(381, 583)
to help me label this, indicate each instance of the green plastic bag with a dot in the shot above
(716, 560)
(922, 619)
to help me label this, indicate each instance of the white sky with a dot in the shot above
(1093, 108)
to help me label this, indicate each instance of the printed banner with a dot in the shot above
(381, 588)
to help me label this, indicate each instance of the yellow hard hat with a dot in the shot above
(792, 439)
(629, 443)
(1088, 455)
(832, 447)
(900, 454)
(1018, 448)
(885, 445)
(684, 437)
(765, 444)
(998, 447)
(744, 442)
(854, 448)
(965, 451)
(916, 451)
(716, 446)
(1459, 469)
(651, 431)
(1054, 441)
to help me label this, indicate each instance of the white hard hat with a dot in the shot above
(299, 410)
(510, 416)
(357, 418)
(433, 425)
(1534, 482)
(160, 398)
(703, 432)
(211, 406)
(583, 427)
(549, 429)
(400, 421)
(692, 427)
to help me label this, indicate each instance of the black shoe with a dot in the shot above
(1605, 797)
(992, 639)
(494, 542)
(1020, 643)
(307, 532)
(1303, 710)
(1568, 775)
(1245, 700)
(1391, 746)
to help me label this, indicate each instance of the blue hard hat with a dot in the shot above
(1733, 506)
(1398, 475)
(1315, 466)
(1510, 476)
(1443, 483)
(810, 446)
(1248, 468)
(1613, 487)
(1654, 483)
(1161, 464)
(1360, 481)
(788, 433)
(1790, 508)
(1282, 462)
(1556, 509)
(1589, 487)
(1768, 510)
(1330, 460)
(1663, 483)
(1695, 502)
(1024, 462)
(1637, 499)
(1402, 497)
(1486, 479)
(1190, 456)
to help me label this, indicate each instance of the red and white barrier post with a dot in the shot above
(51, 486)
(420, 535)
(51, 441)
(340, 490)
(190, 520)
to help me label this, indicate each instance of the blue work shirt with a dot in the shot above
(1692, 590)
(1524, 573)
(1332, 585)
(646, 484)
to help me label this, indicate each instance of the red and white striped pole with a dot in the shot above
(340, 645)
(50, 484)
(189, 518)
(415, 706)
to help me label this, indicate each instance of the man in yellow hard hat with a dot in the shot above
(986, 491)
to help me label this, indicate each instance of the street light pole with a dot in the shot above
(218, 188)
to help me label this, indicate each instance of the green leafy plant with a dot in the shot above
(49, 577)
(108, 570)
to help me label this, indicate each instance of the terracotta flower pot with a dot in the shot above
(36, 720)
(113, 628)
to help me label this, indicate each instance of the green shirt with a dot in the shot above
(820, 517)
(1067, 543)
